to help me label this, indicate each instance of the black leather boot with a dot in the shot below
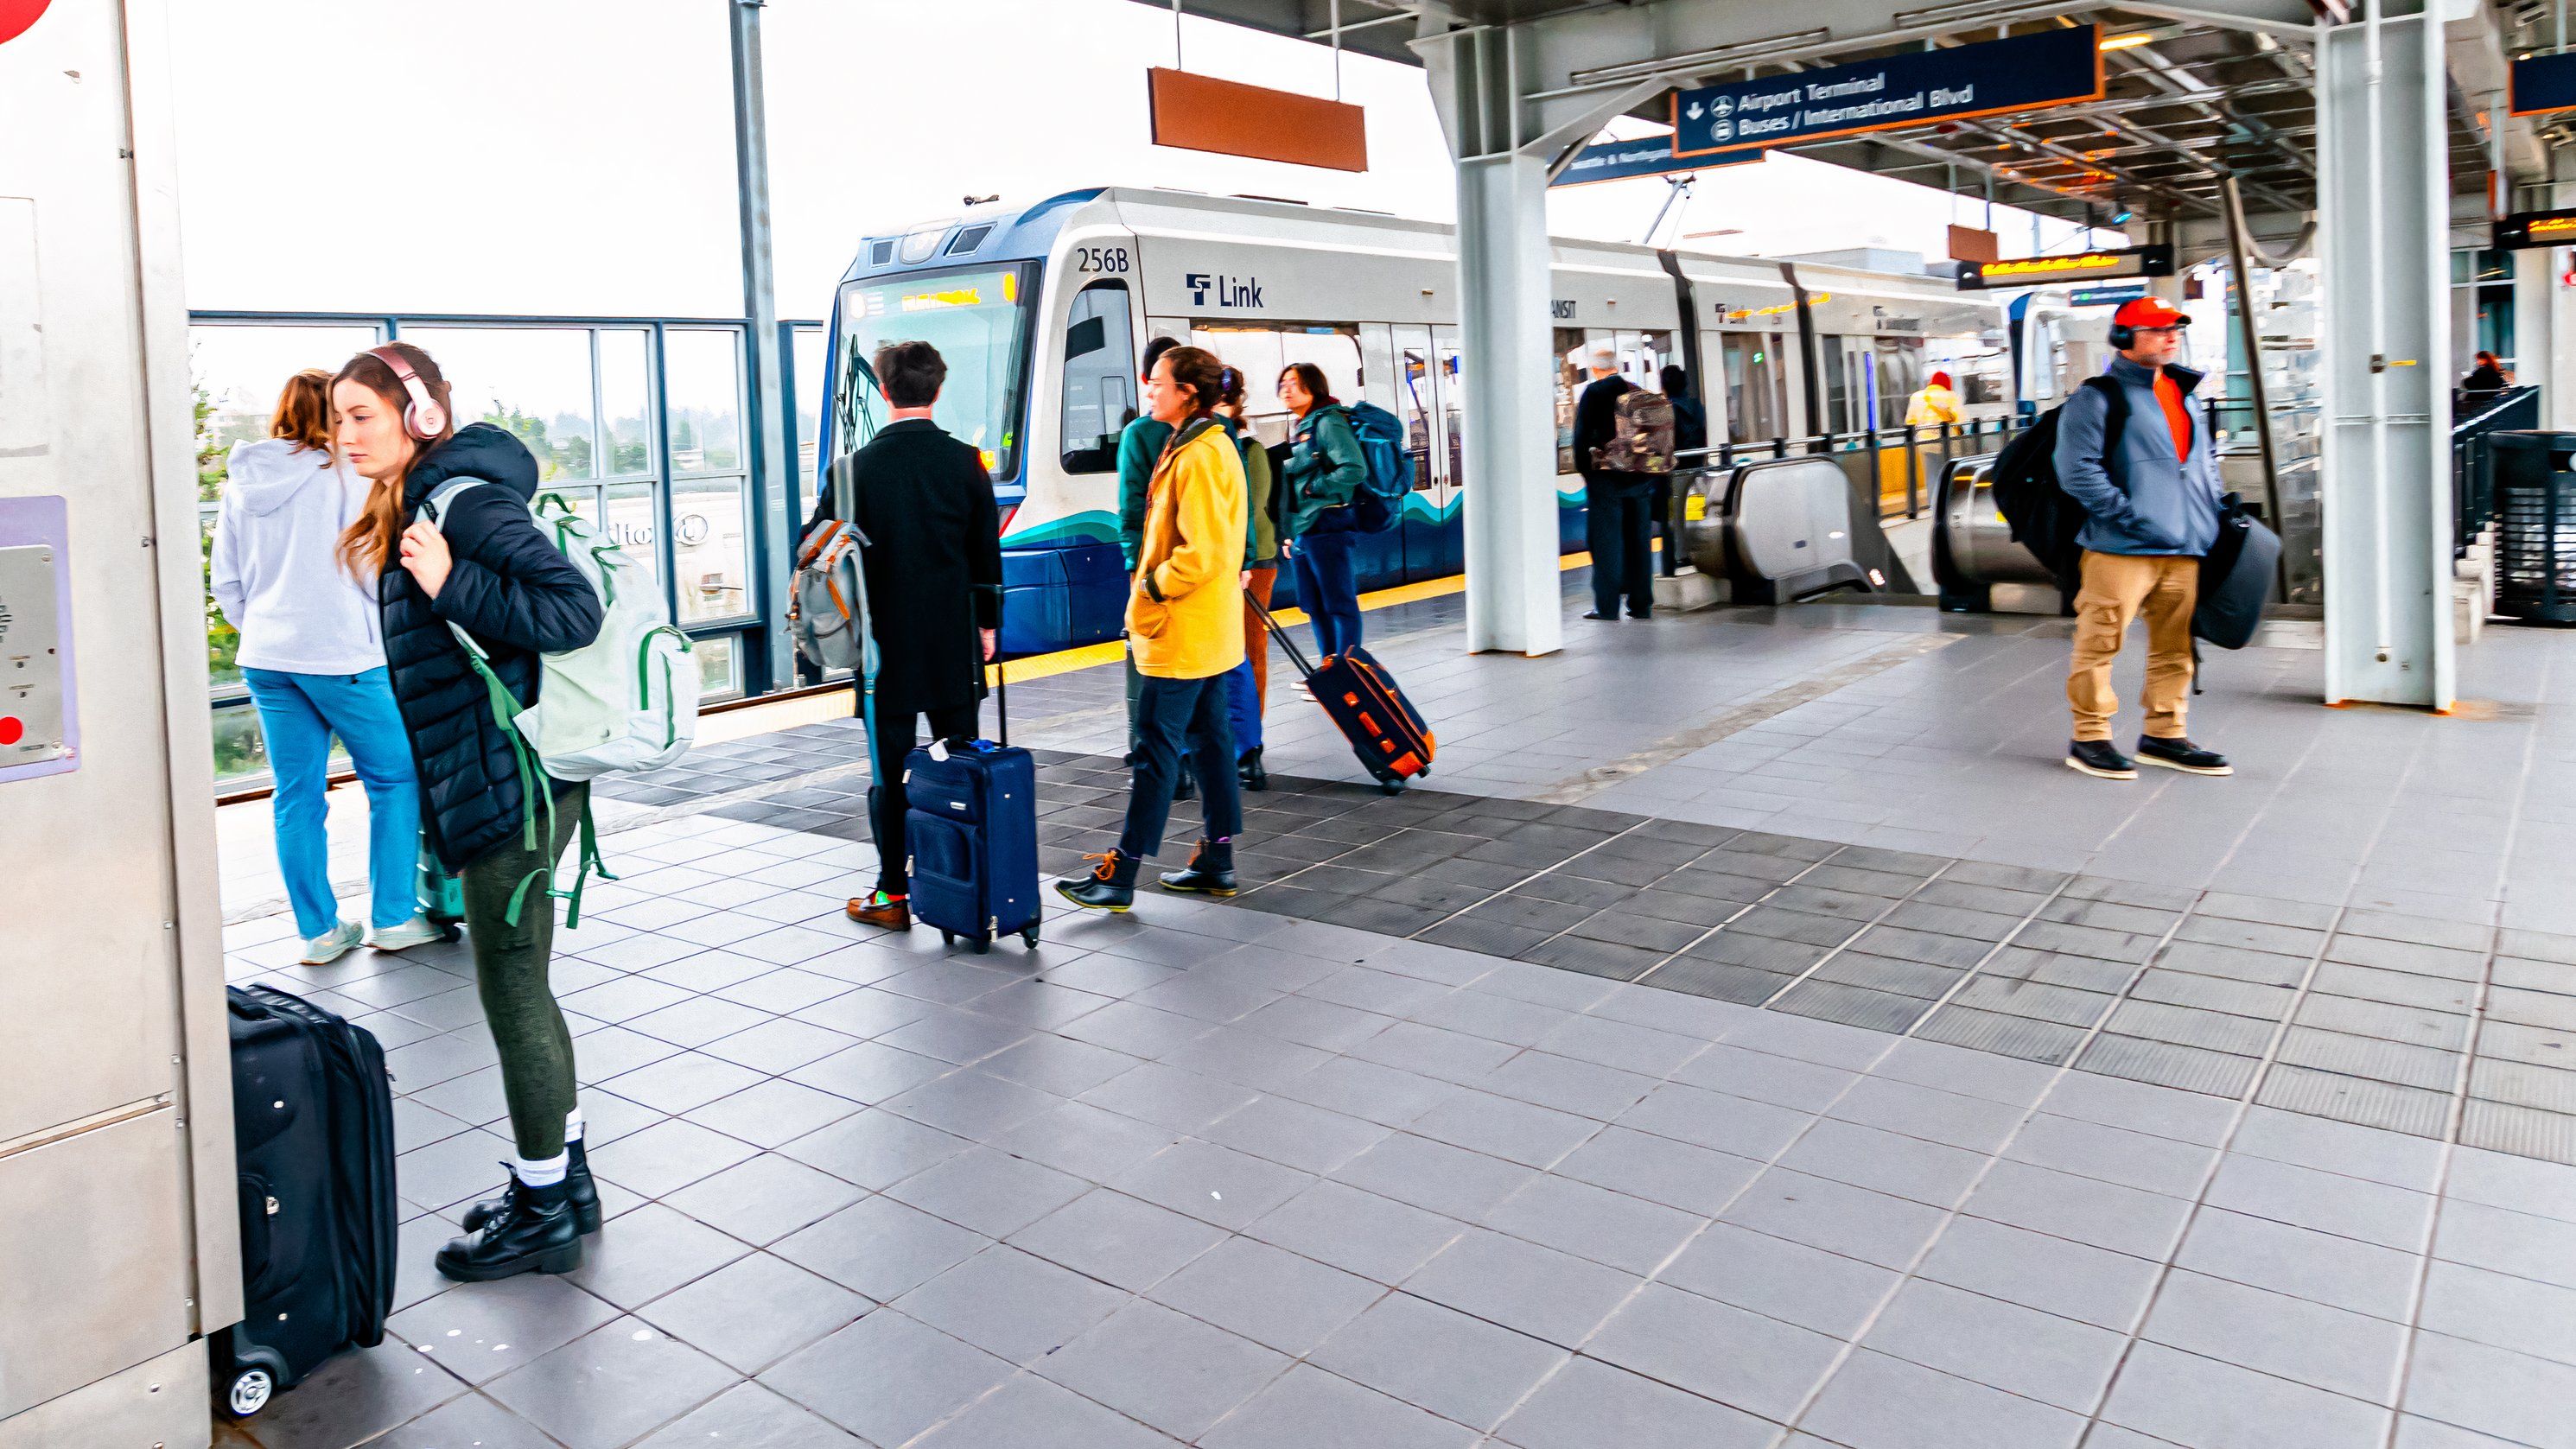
(536, 1234)
(1248, 770)
(1111, 886)
(579, 1189)
(1185, 788)
(1211, 871)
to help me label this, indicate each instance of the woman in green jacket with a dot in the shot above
(1325, 473)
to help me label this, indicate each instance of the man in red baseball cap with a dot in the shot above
(2147, 476)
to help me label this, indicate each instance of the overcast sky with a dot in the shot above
(575, 157)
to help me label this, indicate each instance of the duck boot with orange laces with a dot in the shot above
(880, 908)
(1111, 886)
(1211, 871)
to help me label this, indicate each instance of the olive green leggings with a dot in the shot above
(510, 964)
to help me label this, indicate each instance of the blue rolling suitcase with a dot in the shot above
(972, 823)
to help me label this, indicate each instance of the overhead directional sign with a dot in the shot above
(1649, 156)
(2087, 266)
(2544, 83)
(2104, 296)
(2527, 229)
(2019, 73)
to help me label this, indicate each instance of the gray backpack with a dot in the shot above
(828, 612)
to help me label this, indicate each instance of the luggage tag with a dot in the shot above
(939, 750)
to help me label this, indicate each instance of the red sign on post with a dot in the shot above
(1202, 113)
(17, 15)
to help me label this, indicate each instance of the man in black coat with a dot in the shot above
(931, 553)
(1615, 504)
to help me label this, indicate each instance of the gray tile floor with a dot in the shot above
(1219, 1175)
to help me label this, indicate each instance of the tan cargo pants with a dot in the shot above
(2117, 589)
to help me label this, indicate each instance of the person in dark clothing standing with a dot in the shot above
(2486, 379)
(475, 561)
(1615, 505)
(931, 553)
(1690, 430)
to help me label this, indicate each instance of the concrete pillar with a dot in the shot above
(1509, 508)
(2385, 344)
(2535, 332)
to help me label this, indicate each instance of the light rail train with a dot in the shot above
(1043, 311)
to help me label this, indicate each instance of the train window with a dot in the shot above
(978, 318)
(1100, 394)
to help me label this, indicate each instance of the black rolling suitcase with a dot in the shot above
(1384, 729)
(313, 1138)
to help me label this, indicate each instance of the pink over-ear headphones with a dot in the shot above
(422, 417)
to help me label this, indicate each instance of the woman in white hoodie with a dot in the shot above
(312, 652)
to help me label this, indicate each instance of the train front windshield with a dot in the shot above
(978, 318)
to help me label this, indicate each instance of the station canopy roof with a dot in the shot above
(2186, 101)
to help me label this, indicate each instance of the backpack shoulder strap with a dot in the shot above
(2115, 401)
(442, 496)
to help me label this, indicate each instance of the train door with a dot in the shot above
(1073, 581)
(1443, 552)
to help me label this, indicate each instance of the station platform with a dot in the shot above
(1748, 1035)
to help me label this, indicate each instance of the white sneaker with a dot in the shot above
(418, 931)
(332, 944)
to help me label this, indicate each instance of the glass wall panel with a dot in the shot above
(715, 666)
(702, 372)
(626, 400)
(707, 549)
(236, 372)
(532, 381)
(809, 371)
(630, 517)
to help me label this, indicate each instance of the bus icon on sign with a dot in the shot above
(1721, 130)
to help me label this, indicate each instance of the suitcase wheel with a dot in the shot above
(1029, 938)
(1391, 787)
(948, 938)
(249, 1391)
(982, 944)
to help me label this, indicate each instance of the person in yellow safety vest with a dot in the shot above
(1934, 405)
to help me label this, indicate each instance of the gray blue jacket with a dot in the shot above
(2141, 497)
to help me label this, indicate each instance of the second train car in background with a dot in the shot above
(1043, 311)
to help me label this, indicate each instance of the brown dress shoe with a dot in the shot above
(876, 908)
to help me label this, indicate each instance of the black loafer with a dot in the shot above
(1597, 614)
(2182, 754)
(2100, 759)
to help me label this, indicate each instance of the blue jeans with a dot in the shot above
(1328, 590)
(1182, 723)
(298, 714)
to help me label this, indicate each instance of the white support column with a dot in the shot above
(2536, 304)
(2384, 208)
(1509, 509)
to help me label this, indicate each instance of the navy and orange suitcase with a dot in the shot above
(1384, 729)
(971, 824)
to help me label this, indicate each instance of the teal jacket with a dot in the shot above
(1325, 471)
(1140, 447)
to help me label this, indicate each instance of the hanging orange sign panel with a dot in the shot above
(1202, 113)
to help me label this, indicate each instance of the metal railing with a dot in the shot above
(2474, 417)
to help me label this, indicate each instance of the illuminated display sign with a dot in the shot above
(1776, 309)
(1651, 156)
(2544, 83)
(1909, 88)
(2527, 229)
(973, 289)
(2085, 266)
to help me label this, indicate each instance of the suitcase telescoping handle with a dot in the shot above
(1304, 669)
(1001, 676)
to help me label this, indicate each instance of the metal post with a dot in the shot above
(1913, 475)
(775, 549)
(2258, 392)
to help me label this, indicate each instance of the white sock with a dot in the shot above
(545, 1173)
(572, 1125)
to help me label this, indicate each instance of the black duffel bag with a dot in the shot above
(2235, 577)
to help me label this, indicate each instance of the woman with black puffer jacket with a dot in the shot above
(473, 559)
